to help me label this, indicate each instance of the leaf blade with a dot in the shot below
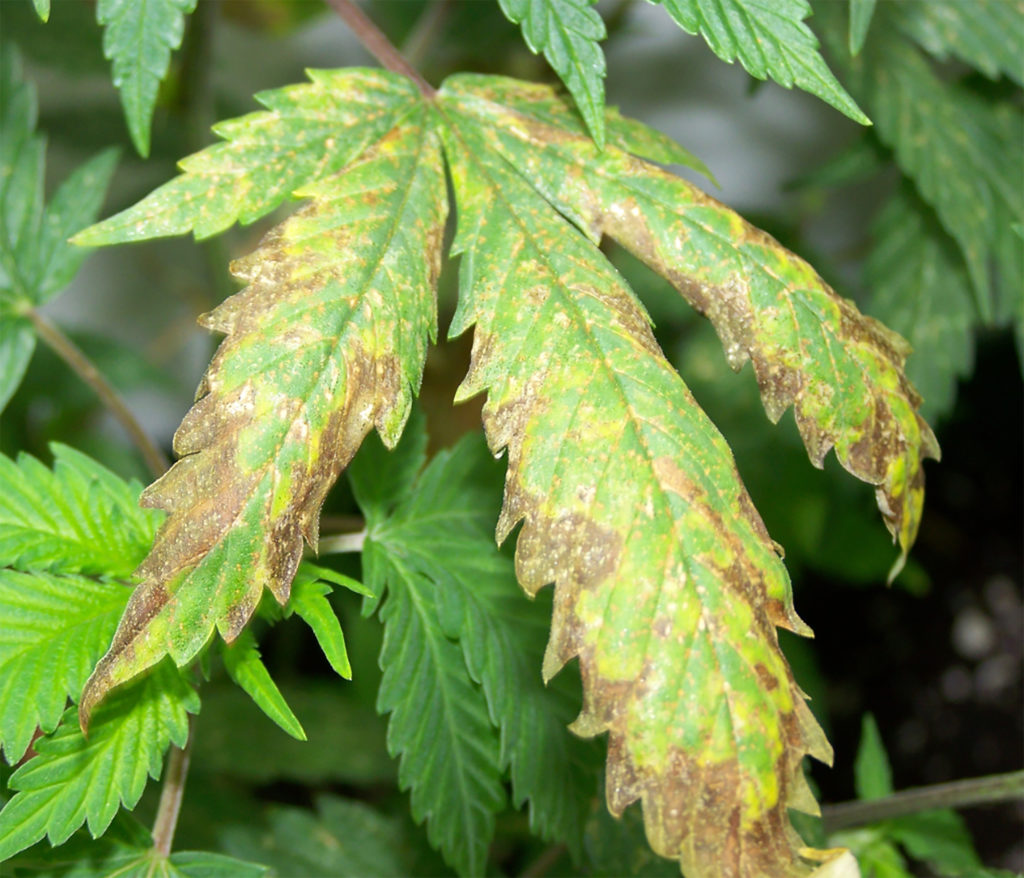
(243, 664)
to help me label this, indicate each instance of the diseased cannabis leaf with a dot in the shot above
(325, 343)
(36, 261)
(770, 39)
(138, 38)
(668, 588)
(811, 349)
(66, 537)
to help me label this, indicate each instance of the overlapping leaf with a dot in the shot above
(443, 529)
(951, 143)
(36, 262)
(919, 287)
(668, 588)
(138, 38)
(56, 526)
(841, 371)
(326, 343)
(568, 33)
(987, 34)
(73, 779)
(770, 39)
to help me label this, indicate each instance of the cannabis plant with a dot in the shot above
(668, 592)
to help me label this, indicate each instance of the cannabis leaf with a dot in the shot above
(770, 39)
(949, 141)
(56, 526)
(919, 287)
(244, 666)
(138, 37)
(568, 32)
(633, 507)
(75, 779)
(36, 262)
(985, 34)
(442, 527)
(841, 371)
(861, 12)
(325, 343)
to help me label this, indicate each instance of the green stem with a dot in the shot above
(172, 793)
(957, 794)
(378, 45)
(80, 364)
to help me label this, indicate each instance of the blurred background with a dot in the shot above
(936, 657)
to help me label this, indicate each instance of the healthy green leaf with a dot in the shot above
(860, 20)
(309, 601)
(568, 33)
(439, 724)
(54, 629)
(444, 530)
(951, 143)
(268, 156)
(987, 34)
(138, 37)
(668, 588)
(326, 342)
(42, 8)
(919, 287)
(243, 664)
(75, 779)
(76, 518)
(872, 775)
(770, 39)
(35, 259)
(939, 838)
(841, 371)
(344, 838)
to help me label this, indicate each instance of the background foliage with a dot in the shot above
(919, 218)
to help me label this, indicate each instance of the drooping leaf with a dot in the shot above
(667, 586)
(861, 12)
(76, 518)
(568, 33)
(244, 666)
(987, 34)
(326, 342)
(343, 838)
(770, 39)
(267, 156)
(35, 259)
(443, 530)
(309, 601)
(919, 287)
(73, 779)
(439, 725)
(841, 371)
(54, 629)
(138, 37)
(951, 143)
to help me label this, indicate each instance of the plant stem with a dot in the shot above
(172, 793)
(957, 794)
(379, 45)
(335, 545)
(80, 364)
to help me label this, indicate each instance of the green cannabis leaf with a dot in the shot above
(770, 39)
(36, 261)
(74, 779)
(138, 38)
(568, 33)
(67, 536)
(325, 343)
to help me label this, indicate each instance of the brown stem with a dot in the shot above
(958, 794)
(377, 44)
(172, 793)
(80, 364)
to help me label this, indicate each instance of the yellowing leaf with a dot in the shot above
(668, 588)
(841, 371)
(325, 343)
